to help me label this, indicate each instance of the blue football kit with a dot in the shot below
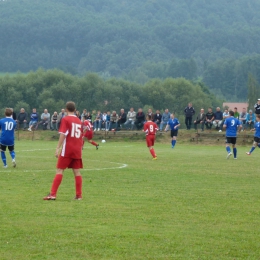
(231, 126)
(257, 129)
(7, 126)
(173, 122)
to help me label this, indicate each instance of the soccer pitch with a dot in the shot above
(191, 203)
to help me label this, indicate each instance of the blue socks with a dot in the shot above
(228, 149)
(3, 157)
(252, 149)
(12, 155)
(173, 143)
(235, 152)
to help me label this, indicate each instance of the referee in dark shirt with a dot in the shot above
(257, 107)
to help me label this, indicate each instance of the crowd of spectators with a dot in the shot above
(113, 121)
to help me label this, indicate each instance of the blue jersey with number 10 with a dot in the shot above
(231, 126)
(7, 126)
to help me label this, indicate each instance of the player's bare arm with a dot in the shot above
(60, 142)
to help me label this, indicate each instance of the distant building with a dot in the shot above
(239, 106)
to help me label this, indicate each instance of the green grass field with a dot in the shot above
(191, 203)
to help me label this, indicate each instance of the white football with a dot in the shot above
(103, 141)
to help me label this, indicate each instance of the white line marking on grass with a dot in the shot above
(122, 165)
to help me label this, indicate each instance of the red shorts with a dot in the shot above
(66, 162)
(150, 140)
(89, 135)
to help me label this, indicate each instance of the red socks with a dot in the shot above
(152, 153)
(94, 143)
(78, 185)
(56, 183)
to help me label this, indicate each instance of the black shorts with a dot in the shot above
(174, 133)
(257, 139)
(231, 140)
(10, 147)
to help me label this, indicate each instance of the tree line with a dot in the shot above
(51, 89)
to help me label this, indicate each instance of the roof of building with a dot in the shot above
(239, 106)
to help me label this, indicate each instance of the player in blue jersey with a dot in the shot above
(256, 136)
(7, 126)
(231, 125)
(174, 124)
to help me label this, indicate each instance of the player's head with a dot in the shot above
(258, 118)
(172, 115)
(70, 106)
(149, 117)
(8, 112)
(34, 110)
(85, 117)
(258, 101)
(231, 113)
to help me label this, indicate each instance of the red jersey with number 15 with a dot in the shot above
(150, 128)
(71, 127)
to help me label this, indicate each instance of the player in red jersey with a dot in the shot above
(88, 132)
(150, 129)
(70, 155)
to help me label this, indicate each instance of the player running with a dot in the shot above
(150, 129)
(174, 124)
(71, 153)
(231, 125)
(88, 133)
(7, 125)
(256, 136)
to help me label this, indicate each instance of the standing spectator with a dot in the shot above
(242, 118)
(97, 121)
(165, 118)
(140, 118)
(70, 142)
(22, 119)
(131, 115)
(45, 119)
(236, 113)
(231, 125)
(257, 107)
(54, 119)
(61, 115)
(200, 120)
(150, 129)
(157, 118)
(84, 113)
(103, 121)
(218, 118)
(189, 111)
(209, 118)
(78, 115)
(113, 121)
(33, 119)
(121, 119)
(250, 119)
(13, 114)
(108, 122)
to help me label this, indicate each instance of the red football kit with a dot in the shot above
(150, 129)
(71, 153)
(87, 126)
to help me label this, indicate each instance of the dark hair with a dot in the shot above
(149, 117)
(231, 113)
(70, 106)
(8, 111)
